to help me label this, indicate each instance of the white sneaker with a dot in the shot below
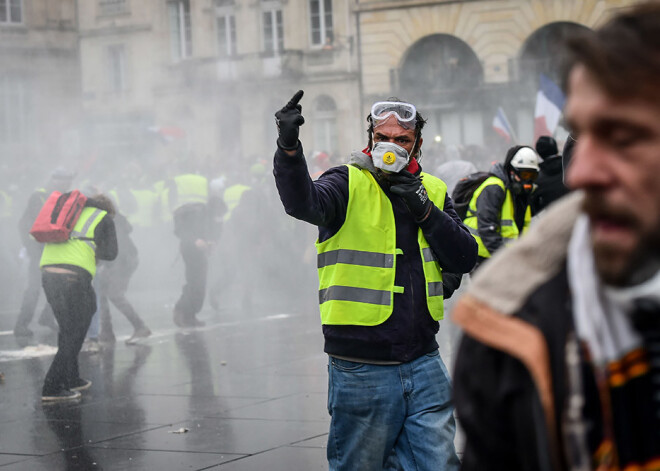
(91, 346)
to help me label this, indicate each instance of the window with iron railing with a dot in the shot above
(11, 11)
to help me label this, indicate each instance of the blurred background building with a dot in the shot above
(161, 80)
(39, 82)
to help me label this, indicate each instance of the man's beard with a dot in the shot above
(616, 265)
(637, 268)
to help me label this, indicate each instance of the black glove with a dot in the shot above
(288, 120)
(410, 189)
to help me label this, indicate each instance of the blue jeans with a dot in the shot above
(391, 416)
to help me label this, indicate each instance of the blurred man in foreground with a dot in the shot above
(560, 365)
(387, 231)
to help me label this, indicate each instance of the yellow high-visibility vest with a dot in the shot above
(191, 188)
(507, 228)
(357, 265)
(80, 249)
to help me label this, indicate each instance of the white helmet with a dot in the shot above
(525, 159)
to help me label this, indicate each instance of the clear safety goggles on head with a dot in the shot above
(405, 113)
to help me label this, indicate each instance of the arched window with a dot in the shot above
(325, 124)
(439, 74)
(440, 62)
(543, 52)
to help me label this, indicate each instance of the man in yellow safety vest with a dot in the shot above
(499, 211)
(387, 232)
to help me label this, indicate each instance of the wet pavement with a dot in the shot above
(244, 392)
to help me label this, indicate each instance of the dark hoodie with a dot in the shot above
(549, 185)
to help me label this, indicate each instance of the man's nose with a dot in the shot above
(589, 166)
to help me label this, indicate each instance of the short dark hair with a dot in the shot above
(419, 125)
(624, 54)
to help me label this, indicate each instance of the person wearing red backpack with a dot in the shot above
(67, 272)
(60, 180)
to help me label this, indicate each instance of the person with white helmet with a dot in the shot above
(499, 210)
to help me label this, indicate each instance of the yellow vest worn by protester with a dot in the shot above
(145, 214)
(357, 265)
(80, 249)
(191, 188)
(507, 228)
(232, 196)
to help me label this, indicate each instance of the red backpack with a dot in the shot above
(58, 216)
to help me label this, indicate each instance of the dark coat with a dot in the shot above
(496, 398)
(550, 184)
(526, 394)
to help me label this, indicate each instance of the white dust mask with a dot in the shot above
(389, 157)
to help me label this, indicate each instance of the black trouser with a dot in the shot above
(196, 265)
(31, 294)
(112, 285)
(74, 302)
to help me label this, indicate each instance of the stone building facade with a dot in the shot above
(39, 84)
(461, 60)
(166, 81)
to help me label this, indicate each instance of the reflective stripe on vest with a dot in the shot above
(355, 257)
(507, 228)
(191, 188)
(357, 265)
(80, 249)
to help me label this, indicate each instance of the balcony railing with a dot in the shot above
(113, 7)
(258, 66)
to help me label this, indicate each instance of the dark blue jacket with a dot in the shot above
(410, 331)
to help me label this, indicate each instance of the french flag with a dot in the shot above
(549, 104)
(502, 125)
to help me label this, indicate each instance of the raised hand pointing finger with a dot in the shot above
(288, 120)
